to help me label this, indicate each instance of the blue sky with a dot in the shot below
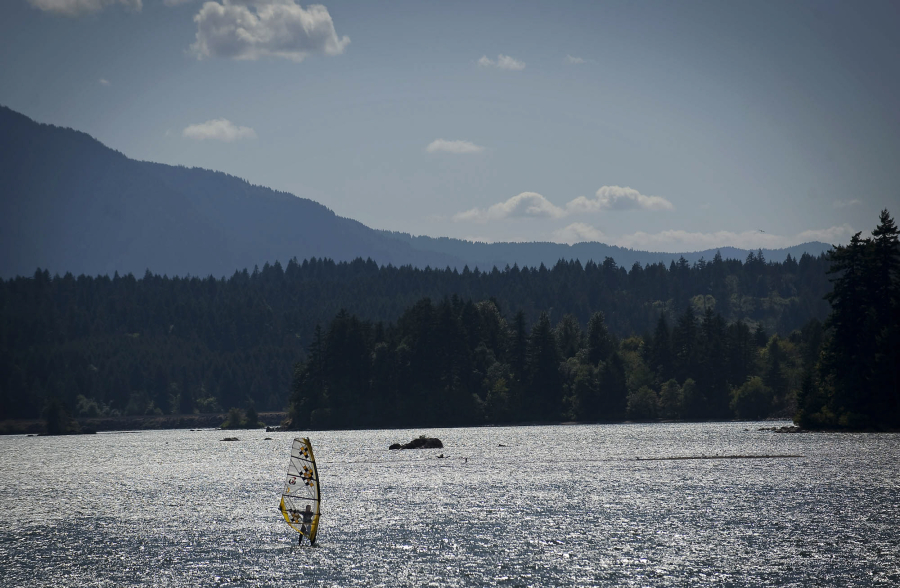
(670, 126)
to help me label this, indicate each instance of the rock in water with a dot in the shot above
(422, 442)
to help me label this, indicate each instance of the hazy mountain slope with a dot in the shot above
(70, 204)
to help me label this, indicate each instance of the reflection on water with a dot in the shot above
(562, 505)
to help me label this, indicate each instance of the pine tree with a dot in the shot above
(599, 341)
(569, 336)
(684, 344)
(544, 382)
(660, 357)
(858, 370)
(849, 352)
(886, 262)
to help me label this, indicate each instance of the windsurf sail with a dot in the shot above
(300, 499)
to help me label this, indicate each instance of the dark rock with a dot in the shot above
(422, 442)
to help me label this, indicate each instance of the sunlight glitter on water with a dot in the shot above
(561, 505)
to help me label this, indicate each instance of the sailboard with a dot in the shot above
(301, 499)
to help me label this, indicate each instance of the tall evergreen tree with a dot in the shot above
(858, 368)
(660, 356)
(544, 399)
(774, 373)
(886, 262)
(849, 352)
(569, 336)
(684, 344)
(599, 342)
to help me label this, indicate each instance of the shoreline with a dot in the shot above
(136, 423)
(276, 418)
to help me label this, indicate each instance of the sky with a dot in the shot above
(663, 126)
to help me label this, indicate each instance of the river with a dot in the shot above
(580, 505)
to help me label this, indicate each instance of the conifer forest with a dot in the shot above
(356, 345)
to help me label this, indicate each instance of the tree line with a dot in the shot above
(458, 362)
(156, 344)
(856, 382)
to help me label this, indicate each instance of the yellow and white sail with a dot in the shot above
(301, 499)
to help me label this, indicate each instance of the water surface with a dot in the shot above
(557, 505)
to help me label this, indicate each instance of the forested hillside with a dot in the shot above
(71, 204)
(142, 345)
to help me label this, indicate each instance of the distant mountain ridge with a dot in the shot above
(71, 204)
(488, 255)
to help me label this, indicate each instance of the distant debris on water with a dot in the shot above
(502, 445)
(230, 439)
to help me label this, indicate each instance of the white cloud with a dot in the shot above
(103, 82)
(618, 198)
(524, 205)
(219, 129)
(831, 235)
(507, 62)
(79, 7)
(502, 62)
(531, 204)
(570, 59)
(453, 146)
(846, 203)
(250, 29)
(578, 233)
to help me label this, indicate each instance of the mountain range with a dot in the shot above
(71, 204)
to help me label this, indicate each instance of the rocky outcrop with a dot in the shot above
(422, 442)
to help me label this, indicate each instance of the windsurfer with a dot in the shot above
(304, 529)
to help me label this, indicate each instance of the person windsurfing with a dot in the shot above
(307, 516)
(300, 501)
